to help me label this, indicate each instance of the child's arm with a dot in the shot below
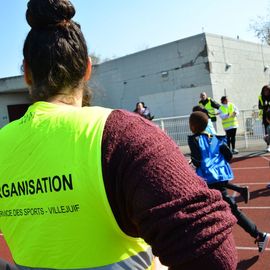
(194, 150)
(226, 152)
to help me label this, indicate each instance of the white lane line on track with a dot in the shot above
(247, 184)
(251, 248)
(268, 159)
(254, 207)
(251, 168)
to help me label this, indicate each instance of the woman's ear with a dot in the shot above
(27, 74)
(88, 69)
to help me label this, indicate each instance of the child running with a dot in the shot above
(211, 155)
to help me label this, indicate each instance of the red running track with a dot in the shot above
(255, 173)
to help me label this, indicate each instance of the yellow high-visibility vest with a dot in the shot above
(54, 212)
(208, 107)
(230, 122)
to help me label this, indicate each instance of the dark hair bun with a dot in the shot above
(46, 13)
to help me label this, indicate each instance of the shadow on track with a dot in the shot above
(263, 192)
(245, 264)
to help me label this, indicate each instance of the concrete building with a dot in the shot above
(168, 78)
(14, 99)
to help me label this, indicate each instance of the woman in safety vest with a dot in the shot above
(95, 188)
(228, 113)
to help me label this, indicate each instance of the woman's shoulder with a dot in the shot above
(130, 131)
(129, 122)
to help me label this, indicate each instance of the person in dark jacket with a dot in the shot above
(211, 155)
(264, 106)
(210, 105)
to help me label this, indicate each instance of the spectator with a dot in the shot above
(95, 188)
(143, 111)
(264, 106)
(210, 155)
(228, 112)
(267, 135)
(210, 105)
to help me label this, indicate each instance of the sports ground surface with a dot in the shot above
(253, 170)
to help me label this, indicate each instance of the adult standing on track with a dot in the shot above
(89, 187)
(264, 106)
(210, 105)
(228, 113)
(267, 136)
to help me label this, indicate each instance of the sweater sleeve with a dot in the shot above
(154, 194)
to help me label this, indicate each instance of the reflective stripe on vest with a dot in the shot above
(54, 212)
(230, 122)
(142, 261)
(208, 107)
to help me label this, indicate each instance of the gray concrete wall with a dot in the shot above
(167, 78)
(12, 85)
(13, 91)
(243, 80)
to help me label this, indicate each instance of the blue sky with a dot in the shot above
(115, 28)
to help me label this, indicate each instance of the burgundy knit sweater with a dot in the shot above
(155, 194)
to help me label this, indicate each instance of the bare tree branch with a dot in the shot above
(261, 28)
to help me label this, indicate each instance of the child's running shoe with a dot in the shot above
(262, 241)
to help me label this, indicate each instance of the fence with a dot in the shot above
(249, 133)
